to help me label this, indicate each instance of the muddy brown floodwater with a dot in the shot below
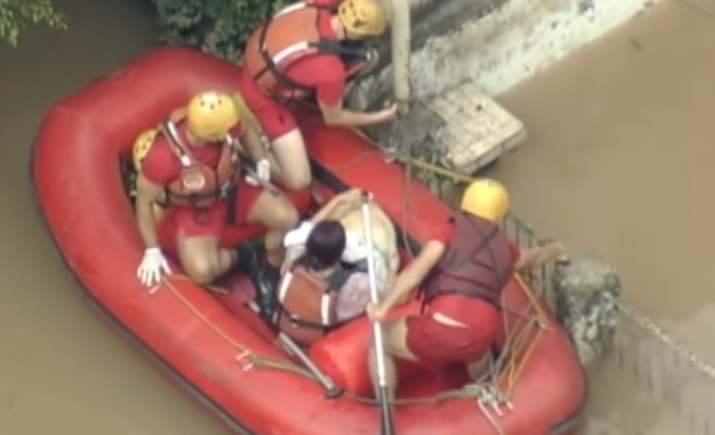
(619, 162)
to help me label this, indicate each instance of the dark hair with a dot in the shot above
(325, 244)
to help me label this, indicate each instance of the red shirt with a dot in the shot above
(325, 73)
(162, 166)
(456, 306)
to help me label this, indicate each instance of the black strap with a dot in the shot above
(487, 239)
(194, 198)
(477, 292)
(335, 281)
(323, 46)
(297, 321)
(232, 205)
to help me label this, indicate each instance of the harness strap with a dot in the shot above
(334, 282)
(487, 244)
(323, 45)
(169, 130)
(476, 292)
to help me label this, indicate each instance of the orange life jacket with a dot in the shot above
(290, 35)
(478, 262)
(307, 303)
(199, 185)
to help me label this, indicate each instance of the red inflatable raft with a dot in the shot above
(215, 347)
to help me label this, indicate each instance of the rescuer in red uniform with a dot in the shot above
(193, 161)
(297, 53)
(462, 270)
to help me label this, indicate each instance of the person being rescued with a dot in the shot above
(193, 161)
(325, 281)
(462, 268)
(297, 54)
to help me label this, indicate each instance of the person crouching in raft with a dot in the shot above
(462, 269)
(296, 55)
(325, 283)
(193, 160)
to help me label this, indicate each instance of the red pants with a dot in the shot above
(189, 222)
(275, 118)
(435, 343)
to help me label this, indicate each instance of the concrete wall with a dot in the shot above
(496, 43)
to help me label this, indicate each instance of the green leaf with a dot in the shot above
(220, 27)
(17, 15)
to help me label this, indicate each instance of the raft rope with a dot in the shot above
(503, 371)
(481, 389)
(633, 314)
(485, 393)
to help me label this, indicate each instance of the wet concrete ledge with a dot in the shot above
(495, 43)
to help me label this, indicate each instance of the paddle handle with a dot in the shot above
(332, 390)
(374, 296)
(386, 423)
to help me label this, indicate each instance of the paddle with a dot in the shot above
(386, 424)
(332, 390)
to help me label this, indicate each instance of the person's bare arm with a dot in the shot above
(535, 257)
(147, 193)
(339, 116)
(413, 275)
(338, 200)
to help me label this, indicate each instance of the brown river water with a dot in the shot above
(618, 162)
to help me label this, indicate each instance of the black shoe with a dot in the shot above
(265, 278)
(249, 254)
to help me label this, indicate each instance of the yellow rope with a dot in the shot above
(542, 318)
(255, 358)
(516, 339)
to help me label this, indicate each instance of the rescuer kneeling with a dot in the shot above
(462, 269)
(303, 51)
(193, 160)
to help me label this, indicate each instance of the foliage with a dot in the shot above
(220, 27)
(15, 15)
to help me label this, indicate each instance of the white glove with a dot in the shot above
(298, 236)
(152, 267)
(263, 171)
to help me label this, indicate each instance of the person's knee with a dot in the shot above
(283, 217)
(296, 178)
(289, 151)
(201, 269)
(287, 217)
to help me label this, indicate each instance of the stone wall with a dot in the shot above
(496, 43)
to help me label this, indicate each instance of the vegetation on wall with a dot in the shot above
(16, 15)
(220, 27)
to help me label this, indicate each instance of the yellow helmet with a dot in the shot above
(363, 17)
(141, 147)
(487, 199)
(210, 115)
